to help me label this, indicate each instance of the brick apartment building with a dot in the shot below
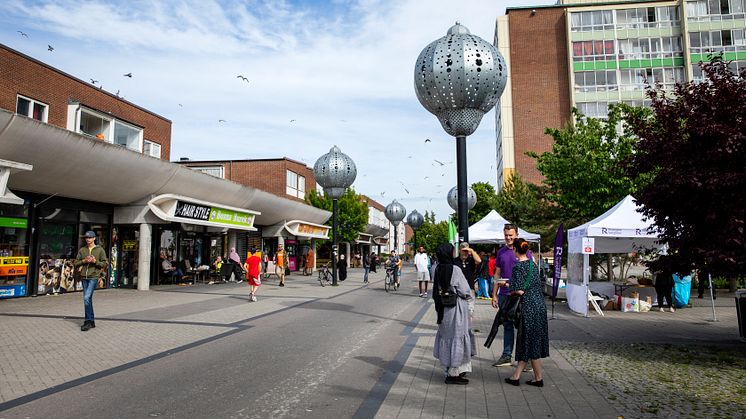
(67, 102)
(283, 177)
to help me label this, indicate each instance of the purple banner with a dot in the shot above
(558, 241)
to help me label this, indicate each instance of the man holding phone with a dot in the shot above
(504, 263)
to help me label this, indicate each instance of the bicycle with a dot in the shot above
(390, 280)
(324, 275)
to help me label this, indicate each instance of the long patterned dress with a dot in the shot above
(533, 335)
(454, 342)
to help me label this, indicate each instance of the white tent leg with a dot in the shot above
(586, 274)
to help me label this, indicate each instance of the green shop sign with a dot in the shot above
(13, 222)
(231, 217)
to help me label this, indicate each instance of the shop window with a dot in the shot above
(127, 136)
(151, 149)
(94, 125)
(14, 251)
(104, 127)
(31, 108)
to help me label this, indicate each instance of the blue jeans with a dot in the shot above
(365, 278)
(509, 330)
(88, 286)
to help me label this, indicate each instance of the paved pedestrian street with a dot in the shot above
(624, 364)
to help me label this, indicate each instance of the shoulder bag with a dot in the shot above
(513, 306)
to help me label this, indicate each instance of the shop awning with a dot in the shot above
(364, 238)
(381, 241)
(121, 176)
(188, 210)
(298, 228)
(7, 168)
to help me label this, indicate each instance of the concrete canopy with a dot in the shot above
(116, 175)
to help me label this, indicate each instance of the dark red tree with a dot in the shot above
(693, 147)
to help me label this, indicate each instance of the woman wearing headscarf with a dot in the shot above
(342, 267)
(454, 342)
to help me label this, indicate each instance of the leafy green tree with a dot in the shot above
(352, 213)
(525, 205)
(486, 198)
(584, 172)
(432, 234)
(693, 146)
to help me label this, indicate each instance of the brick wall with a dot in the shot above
(267, 175)
(540, 80)
(20, 74)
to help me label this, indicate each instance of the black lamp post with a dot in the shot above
(459, 78)
(335, 172)
(395, 212)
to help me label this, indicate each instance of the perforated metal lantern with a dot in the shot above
(453, 198)
(459, 78)
(335, 172)
(415, 220)
(395, 212)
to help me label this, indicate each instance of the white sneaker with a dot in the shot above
(673, 310)
(239, 281)
(660, 309)
(421, 294)
(253, 298)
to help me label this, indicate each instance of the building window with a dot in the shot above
(596, 81)
(648, 17)
(593, 50)
(597, 20)
(151, 149)
(31, 108)
(296, 185)
(104, 127)
(216, 171)
(714, 10)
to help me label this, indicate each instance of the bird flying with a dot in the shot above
(50, 48)
(128, 75)
(427, 140)
(221, 120)
(242, 78)
(292, 120)
(23, 34)
(94, 81)
(439, 162)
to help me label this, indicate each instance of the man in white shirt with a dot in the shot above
(421, 264)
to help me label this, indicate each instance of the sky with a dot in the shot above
(318, 74)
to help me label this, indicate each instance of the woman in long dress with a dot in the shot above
(532, 343)
(454, 342)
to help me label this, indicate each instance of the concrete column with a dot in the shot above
(313, 246)
(232, 240)
(281, 240)
(144, 257)
(347, 254)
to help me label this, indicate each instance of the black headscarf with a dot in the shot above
(443, 273)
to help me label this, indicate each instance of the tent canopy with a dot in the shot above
(621, 229)
(490, 230)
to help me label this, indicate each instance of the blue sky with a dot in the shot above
(342, 71)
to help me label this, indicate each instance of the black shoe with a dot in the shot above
(463, 374)
(86, 327)
(282, 284)
(539, 383)
(456, 380)
(512, 381)
(93, 324)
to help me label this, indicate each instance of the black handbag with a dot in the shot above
(448, 297)
(513, 306)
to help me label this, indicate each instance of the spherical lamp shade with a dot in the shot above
(471, 199)
(395, 212)
(335, 172)
(459, 78)
(415, 220)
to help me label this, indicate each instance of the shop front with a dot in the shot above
(297, 237)
(14, 235)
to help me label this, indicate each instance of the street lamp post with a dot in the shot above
(335, 172)
(459, 78)
(395, 212)
(415, 220)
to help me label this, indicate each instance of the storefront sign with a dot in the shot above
(226, 216)
(192, 211)
(12, 291)
(589, 244)
(310, 229)
(13, 270)
(130, 245)
(13, 222)
(14, 260)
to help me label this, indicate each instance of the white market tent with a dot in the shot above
(621, 229)
(490, 230)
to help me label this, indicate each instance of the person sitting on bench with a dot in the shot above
(170, 270)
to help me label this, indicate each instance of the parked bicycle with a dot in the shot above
(325, 275)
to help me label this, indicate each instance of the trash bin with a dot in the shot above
(741, 313)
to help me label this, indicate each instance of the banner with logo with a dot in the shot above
(558, 243)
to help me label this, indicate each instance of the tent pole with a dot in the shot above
(586, 267)
(712, 300)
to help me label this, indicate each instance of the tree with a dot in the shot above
(431, 234)
(486, 198)
(525, 205)
(584, 171)
(692, 145)
(352, 213)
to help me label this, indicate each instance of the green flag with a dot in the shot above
(452, 233)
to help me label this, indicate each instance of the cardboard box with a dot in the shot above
(611, 305)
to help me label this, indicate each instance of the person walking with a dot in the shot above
(237, 265)
(664, 289)
(253, 275)
(468, 260)
(505, 261)
(484, 280)
(308, 267)
(455, 343)
(90, 262)
(533, 331)
(421, 265)
(366, 267)
(280, 260)
(342, 267)
(373, 262)
(395, 263)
